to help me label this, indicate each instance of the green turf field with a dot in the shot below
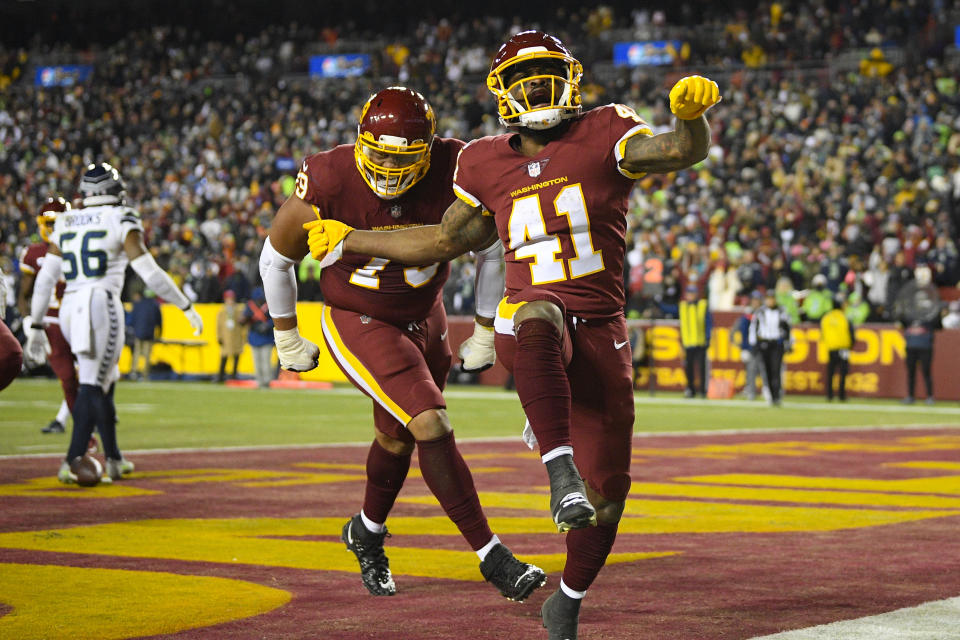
(156, 415)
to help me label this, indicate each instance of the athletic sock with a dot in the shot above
(448, 477)
(370, 525)
(108, 426)
(587, 551)
(571, 593)
(64, 413)
(542, 384)
(386, 473)
(87, 411)
(487, 548)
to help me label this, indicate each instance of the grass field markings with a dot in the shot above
(665, 516)
(935, 620)
(53, 602)
(942, 485)
(796, 496)
(802, 448)
(637, 435)
(269, 542)
(249, 477)
(933, 465)
(50, 487)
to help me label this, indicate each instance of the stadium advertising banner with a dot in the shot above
(877, 367)
(650, 52)
(62, 76)
(339, 66)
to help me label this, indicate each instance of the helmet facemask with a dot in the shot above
(45, 225)
(541, 99)
(391, 165)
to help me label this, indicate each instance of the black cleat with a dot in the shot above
(516, 580)
(55, 426)
(561, 616)
(568, 496)
(368, 547)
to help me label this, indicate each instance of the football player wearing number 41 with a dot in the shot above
(90, 248)
(555, 189)
(385, 325)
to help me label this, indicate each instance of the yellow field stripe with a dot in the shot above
(356, 370)
(55, 602)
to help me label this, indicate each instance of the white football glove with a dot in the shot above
(194, 319)
(37, 348)
(477, 352)
(296, 353)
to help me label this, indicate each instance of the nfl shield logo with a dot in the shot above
(533, 169)
(395, 211)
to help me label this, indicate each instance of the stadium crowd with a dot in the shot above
(815, 169)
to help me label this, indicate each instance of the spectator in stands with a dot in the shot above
(836, 335)
(875, 65)
(952, 318)
(818, 300)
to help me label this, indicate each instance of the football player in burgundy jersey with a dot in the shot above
(61, 357)
(385, 325)
(11, 353)
(555, 190)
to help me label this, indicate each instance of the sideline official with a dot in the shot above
(769, 332)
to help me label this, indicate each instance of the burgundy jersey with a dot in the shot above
(382, 289)
(561, 214)
(31, 259)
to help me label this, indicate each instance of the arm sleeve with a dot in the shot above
(44, 286)
(279, 282)
(159, 280)
(490, 279)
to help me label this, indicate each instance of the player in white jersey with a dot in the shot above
(90, 248)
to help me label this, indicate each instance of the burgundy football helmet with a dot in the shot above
(48, 215)
(536, 81)
(396, 131)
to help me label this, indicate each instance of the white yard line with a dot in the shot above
(937, 620)
(366, 443)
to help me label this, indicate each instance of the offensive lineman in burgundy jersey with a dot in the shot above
(555, 192)
(61, 357)
(384, 322)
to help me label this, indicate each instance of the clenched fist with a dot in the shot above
(692, 96)
(325, 239)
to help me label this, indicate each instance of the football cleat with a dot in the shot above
(561, 616)
(568, 496)
(368, 547)
(55, 426)
(65, 475)
(116, 469)
(516, 580)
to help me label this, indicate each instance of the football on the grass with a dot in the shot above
(88, 470)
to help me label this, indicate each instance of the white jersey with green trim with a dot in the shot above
(91, 242)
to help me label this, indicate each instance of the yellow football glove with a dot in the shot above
(325, 239)
(692, 96)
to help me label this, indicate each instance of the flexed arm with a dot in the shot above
(688, 143)
(462, 229)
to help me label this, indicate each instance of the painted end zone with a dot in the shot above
(724, 536)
